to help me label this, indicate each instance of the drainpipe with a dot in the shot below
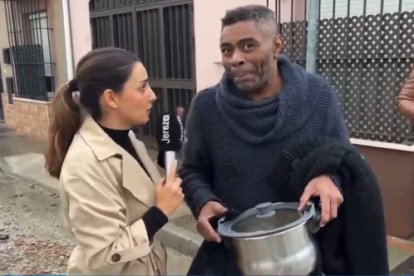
(312, 9)
(68, 39)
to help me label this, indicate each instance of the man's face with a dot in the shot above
(248, 49)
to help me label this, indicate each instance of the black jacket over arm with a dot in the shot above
(352, 244)
(355, 242)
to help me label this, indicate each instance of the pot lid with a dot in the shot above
(265, 218)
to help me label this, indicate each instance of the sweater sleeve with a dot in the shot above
(154, 219)
(196, 169)
(335, 126)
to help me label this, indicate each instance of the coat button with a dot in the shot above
(116, 257)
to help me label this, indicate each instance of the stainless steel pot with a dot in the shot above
(273, 239)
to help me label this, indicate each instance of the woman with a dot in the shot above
(112, 207)
(405, 100)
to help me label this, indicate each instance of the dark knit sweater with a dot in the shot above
(154, 219)
(232, 143)
(352, 244)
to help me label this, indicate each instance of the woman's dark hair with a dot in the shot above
(100, 69)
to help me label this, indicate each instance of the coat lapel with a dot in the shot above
(146, 160)
(134, 178)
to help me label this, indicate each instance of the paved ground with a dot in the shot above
(12, 143)
(32, 237)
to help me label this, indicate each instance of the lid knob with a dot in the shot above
(265, 210)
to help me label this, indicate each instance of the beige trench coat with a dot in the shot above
(105, 193)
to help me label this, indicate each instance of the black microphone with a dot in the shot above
(170, 137)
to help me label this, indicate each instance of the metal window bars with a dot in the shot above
(30, 47)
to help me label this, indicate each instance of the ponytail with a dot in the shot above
(65, 122)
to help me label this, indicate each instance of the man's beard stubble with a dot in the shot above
(257, 86)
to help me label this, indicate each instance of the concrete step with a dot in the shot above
(177, 263)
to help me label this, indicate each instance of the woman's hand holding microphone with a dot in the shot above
(169, 194)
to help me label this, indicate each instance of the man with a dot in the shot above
(236, 130)
(405, 100)
(180, 112)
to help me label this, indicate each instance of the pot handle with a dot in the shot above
(214, 222)
(313, 224)
(228, 215)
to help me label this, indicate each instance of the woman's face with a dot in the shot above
(135, 101)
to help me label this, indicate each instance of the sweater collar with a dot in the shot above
(270, 119)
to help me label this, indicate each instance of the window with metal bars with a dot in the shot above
(161, 33)
(6, 56)
(30, 48)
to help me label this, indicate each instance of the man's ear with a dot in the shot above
(277, 46)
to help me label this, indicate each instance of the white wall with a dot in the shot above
(80, 29)
(6, 70)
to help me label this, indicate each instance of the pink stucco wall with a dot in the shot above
(80, 29)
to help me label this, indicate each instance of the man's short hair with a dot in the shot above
(255, 13)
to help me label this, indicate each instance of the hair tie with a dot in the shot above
(73, 86)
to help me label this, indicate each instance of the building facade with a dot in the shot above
(37, 56)
(363, 48)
